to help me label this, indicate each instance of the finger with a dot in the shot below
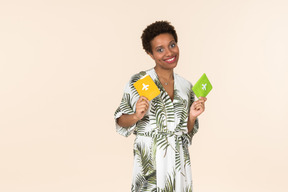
(198, 102)
(142, 98)
(201, 101)
(143, 106)
(142, 111)
(142, 103)
(145, 102)
(199, 106)
(203, 98)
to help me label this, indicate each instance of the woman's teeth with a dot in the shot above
(170, 59)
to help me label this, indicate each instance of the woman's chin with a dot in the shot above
(171, 65)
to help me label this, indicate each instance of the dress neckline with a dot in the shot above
(162, 87)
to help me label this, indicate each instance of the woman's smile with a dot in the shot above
(170, 60)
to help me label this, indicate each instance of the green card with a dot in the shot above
(202, 86)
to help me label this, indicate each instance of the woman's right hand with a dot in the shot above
(142, 106)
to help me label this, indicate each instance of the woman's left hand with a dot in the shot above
(197, 107)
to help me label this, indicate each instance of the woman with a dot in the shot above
(165, 125)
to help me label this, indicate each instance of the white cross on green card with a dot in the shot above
(202, 87)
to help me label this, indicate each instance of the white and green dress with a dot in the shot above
(161, 155)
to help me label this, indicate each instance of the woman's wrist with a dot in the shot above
(135, 117)
(192, 118)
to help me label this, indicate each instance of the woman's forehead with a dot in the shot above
(162, 39)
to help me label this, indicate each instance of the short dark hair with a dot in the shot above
(155, 29)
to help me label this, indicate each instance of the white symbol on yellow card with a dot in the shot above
(145, 87)
(204, 86)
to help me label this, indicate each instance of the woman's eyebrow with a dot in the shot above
(160, 46)
(172, 41)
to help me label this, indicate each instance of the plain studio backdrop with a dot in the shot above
(64, 65)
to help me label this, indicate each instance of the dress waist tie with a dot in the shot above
(179, 134)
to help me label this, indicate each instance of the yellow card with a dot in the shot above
(147, 88)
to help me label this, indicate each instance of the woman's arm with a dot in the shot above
(126, 120)
(191, 122)
(196, 109)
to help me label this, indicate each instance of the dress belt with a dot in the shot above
(185, 137)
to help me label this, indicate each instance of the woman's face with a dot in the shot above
(165, 51)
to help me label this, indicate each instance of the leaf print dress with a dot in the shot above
(161, 155)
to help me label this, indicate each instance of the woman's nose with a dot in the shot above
(168, 52)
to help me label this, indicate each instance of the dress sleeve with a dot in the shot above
(196, 124)
(127, 106)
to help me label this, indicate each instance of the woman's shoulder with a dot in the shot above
(181, 80)
(139, 75)
(129, 87)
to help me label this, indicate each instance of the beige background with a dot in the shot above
(63, 67)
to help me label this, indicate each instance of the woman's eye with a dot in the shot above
(160, 50)
(173, 45)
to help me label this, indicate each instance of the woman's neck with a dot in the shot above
(164, 74)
